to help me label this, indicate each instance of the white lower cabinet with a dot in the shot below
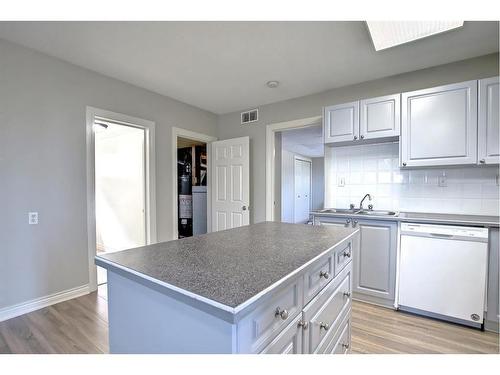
(289, 341)
(320, 325)
(374, 258)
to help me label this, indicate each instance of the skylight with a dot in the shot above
(389, 34)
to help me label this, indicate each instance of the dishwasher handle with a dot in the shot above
(441, 235)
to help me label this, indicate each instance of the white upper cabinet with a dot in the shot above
(439, 126)
(341, 122)
(488, 126)
(380, 117)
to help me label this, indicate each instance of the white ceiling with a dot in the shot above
(306, 141)
(224, 66)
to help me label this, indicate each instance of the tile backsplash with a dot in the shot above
(375, 169)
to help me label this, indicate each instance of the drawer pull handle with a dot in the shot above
(324, 274)
(347, 254)
(325, 326)
(345, 346)
(347, 294)
(303, 324)
(283, 314)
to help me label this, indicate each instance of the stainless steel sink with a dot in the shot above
(337, 211)
(357, 211)
(375, 213)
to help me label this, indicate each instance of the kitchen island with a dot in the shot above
(263, 288)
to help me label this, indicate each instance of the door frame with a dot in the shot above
(150, 180)
(195, 136)
(271, 130)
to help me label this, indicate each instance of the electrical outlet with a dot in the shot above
(341, 182)
(32, 218)
(442, 181)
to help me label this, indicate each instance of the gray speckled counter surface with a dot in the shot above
(424, 217)
(230, 266)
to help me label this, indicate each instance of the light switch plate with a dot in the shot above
(32, 218)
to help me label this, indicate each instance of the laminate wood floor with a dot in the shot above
(81, 326)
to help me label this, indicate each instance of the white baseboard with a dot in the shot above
(10, 312)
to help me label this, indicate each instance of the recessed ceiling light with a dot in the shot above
(272, 84)
(389, 34)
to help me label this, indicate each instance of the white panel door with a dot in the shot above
(341, 122)
(230, 183)
(439, 126)
(488, 126)
(302, 190)
(380, 117)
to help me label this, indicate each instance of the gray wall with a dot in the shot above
(228, 125)
(318, 183)
(43, 165)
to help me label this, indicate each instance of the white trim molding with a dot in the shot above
(39, 303)
(200, 137)
(271, 129)
(150, 180)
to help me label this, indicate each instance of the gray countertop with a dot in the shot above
(229, 267)
(423, 217)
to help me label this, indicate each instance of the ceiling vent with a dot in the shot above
(250, 116)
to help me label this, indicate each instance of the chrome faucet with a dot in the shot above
(362, 200)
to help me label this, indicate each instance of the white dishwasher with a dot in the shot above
(442, 272)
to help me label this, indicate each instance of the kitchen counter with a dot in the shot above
(233, 291)
(422, 217)
(227, 269)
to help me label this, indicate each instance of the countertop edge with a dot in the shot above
(227, 313)
(489, 224)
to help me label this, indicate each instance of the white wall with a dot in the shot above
(374, 169)
(318, 183)
(43, 165)
(228, 125)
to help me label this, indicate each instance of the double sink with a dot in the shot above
(357, 211)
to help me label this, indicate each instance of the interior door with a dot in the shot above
(230, 183)
(302, 190)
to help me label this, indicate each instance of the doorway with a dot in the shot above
(121, 197)
(299, 173)
(191, 159)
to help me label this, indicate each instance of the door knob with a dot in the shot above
(404, 164)
(325, 326)
(347, 294)
(244, 208)
(355, 137)
(362, 137)
(482, 161)
(324, 274)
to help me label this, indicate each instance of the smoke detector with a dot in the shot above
(272, 84)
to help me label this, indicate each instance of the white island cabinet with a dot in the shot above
(264, 288)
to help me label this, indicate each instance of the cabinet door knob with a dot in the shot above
(325, 326)
(283, 314)
(482, 161)
(324, 274)
(347, 294)
(347, 254)
(404, 164)
(347, 222)
(362, 137)
(354, 222)
(355, 137)
(244, 208)
(303, 324)
(345, 346)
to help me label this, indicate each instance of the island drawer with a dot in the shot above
(325, 312)
(287, 342)
(342, 256)
(340, 342)
(262, 325)
(317, 275)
